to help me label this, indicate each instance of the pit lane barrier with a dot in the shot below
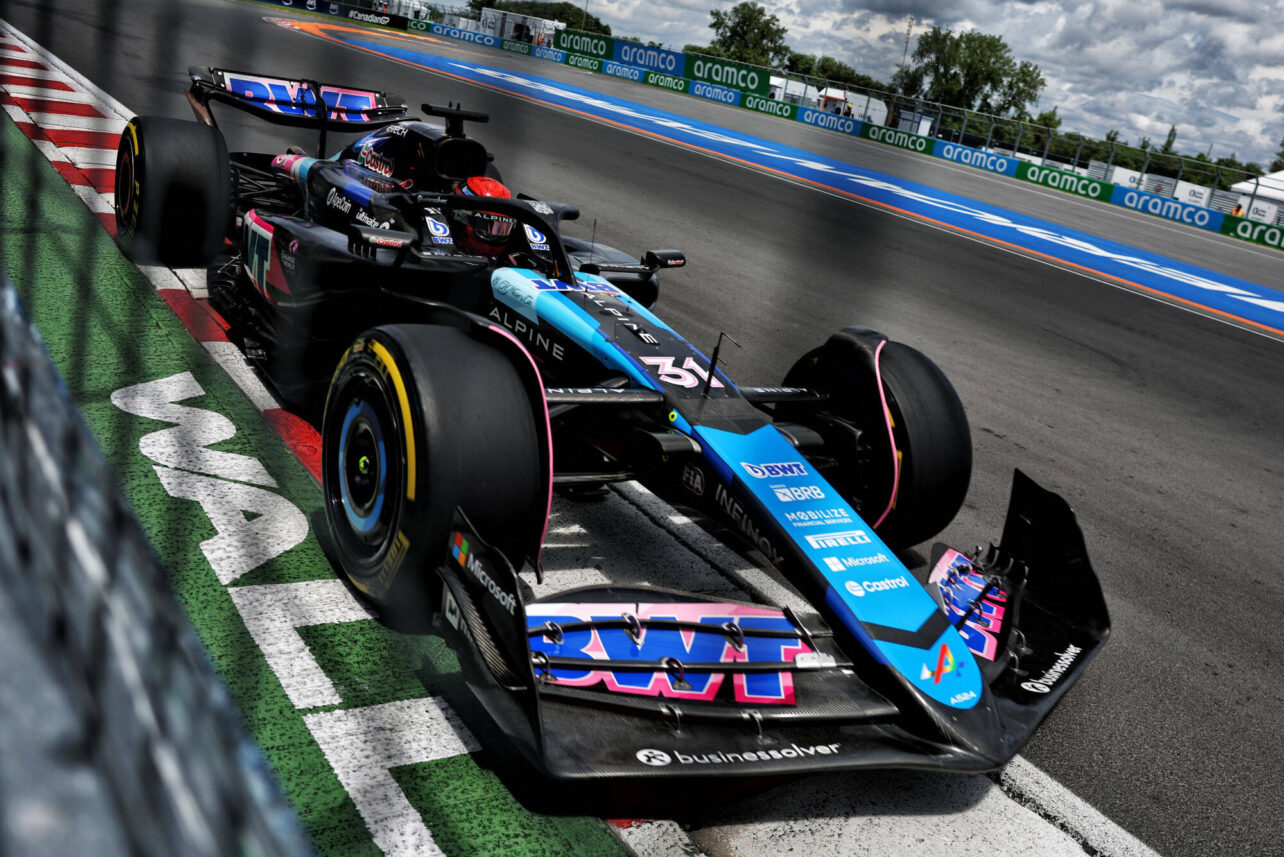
(152, 716)
(745, 86)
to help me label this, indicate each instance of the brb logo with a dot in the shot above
(666, 645)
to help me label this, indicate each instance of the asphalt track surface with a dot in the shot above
(1163, 427)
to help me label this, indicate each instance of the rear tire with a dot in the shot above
(419, 420)
(929, 426)
(173, 191)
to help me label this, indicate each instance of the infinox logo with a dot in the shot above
(775, 469)
(1044, 683)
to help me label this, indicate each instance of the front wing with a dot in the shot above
(643, 682)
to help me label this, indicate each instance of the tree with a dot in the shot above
(971, 70)
(704, 50)
(748, 34)
(1167, 147)
(1278, 163)
(1045, 123)
(571, 15)
(797, 63)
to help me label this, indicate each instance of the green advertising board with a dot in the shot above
(585, 44)
(770, 106)
(666, 81)
(586, 63)
(416, 24)
(1066, 181)
(897, 138)
(728, 73)
(516, 47)
(1266, 234)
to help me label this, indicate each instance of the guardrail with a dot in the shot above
(153, 717)
(745, 86)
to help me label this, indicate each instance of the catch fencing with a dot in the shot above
(152, 716)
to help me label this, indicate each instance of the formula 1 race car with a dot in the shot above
(456, 388)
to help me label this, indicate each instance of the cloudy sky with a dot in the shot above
(1213, 68)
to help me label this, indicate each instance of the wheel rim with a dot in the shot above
(363, 471)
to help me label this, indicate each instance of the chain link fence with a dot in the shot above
(150, 714)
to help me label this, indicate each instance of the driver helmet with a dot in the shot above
(482, 232)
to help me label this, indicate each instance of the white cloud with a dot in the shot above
(1212, 68)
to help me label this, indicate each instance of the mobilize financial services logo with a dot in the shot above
(659, 758)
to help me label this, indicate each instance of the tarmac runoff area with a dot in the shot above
(1019, 811)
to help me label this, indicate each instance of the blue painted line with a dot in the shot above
(1220, 293)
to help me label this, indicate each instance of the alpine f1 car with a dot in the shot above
(463, 358)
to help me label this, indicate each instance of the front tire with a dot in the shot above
(419, 420)
(909, 482)
(173, 191)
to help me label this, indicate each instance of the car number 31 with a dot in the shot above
(689, 374)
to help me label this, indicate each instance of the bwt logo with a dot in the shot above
(773, 471)
(290, 98)
(600, 650)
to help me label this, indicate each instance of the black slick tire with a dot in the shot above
(173, 191)
(924, 478)
(419, 420)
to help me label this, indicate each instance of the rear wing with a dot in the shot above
(285, 101)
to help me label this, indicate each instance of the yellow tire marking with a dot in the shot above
(385, 358)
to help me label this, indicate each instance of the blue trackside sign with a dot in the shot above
(978, 158)
(830, 121)
(464, 35)
(715, 93)
(1166, 207)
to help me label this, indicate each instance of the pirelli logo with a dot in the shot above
(847, 538)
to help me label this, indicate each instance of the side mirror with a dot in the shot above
(664, 259)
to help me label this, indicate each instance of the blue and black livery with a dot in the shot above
(456, 393)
